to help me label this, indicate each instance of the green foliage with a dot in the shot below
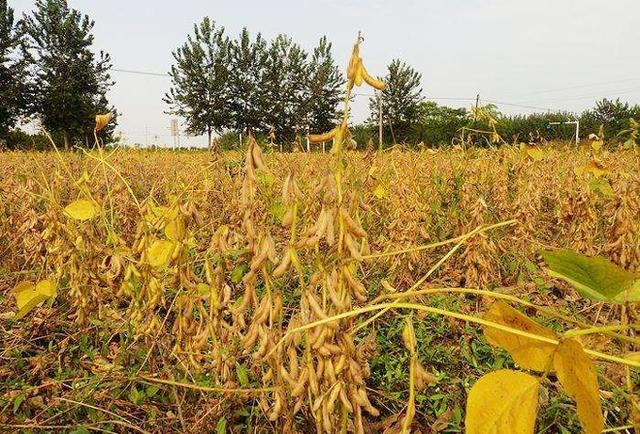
(614, 115)
(248, 63)
(200, 80)
(438, 124)
(324, 86)
(71, 81)
(400, 100)
(285, 88)
(13, 71)
(593, 277)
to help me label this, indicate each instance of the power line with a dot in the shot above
(581, 86)
(526, 106)
(520, 105)
(599, 94)
(131, 71)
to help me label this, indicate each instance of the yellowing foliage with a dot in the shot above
(578, 376)
(28, 295)
(526, 352)
(160, 253)
(503, 402)
(81, 209)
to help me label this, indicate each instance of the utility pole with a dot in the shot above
(175, 133)
(379, 120)
(475, 114)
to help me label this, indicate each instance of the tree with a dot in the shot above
(13, 71)
(614, 115)
(324, 93)
(71, 82)
(400, 99)
(284, 83)
(200, 80)
(248, 97)
(437, 124)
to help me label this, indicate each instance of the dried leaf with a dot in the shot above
(502, 402)
(103, 120)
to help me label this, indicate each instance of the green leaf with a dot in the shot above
(221, 426)
(80, 430)
(265, 177)
(278, 210)
(238, 273)
(601, 186)
(136, 397)
(151, 391)
(241, 372)
(17, 401)
(593, 277)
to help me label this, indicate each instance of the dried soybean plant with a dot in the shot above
(326, 368)
(286, 310)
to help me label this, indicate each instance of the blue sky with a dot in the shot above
(556, 54)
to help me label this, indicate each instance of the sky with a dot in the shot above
(540, 54)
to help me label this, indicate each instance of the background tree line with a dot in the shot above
(48, 72)
(248, 84)
(227, 86)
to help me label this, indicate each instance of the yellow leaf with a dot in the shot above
(46, 287)
(578, 376)
(29, 296)
(526, 352)
(81, 209)
(174, 230)
(103, 120)
(595, 167)
(533, 151)
(596, 144)
(379, 191)
(502, 402)
(160, 253)
(22, 291)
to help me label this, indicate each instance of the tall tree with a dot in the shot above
(248, 96)
(71, 81)
(200, 80)
(400, 99)
(13, 71)
(613, 115)
(324, 89)
(284, 83)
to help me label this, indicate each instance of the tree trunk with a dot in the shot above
(65, 138)
(209, 138)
